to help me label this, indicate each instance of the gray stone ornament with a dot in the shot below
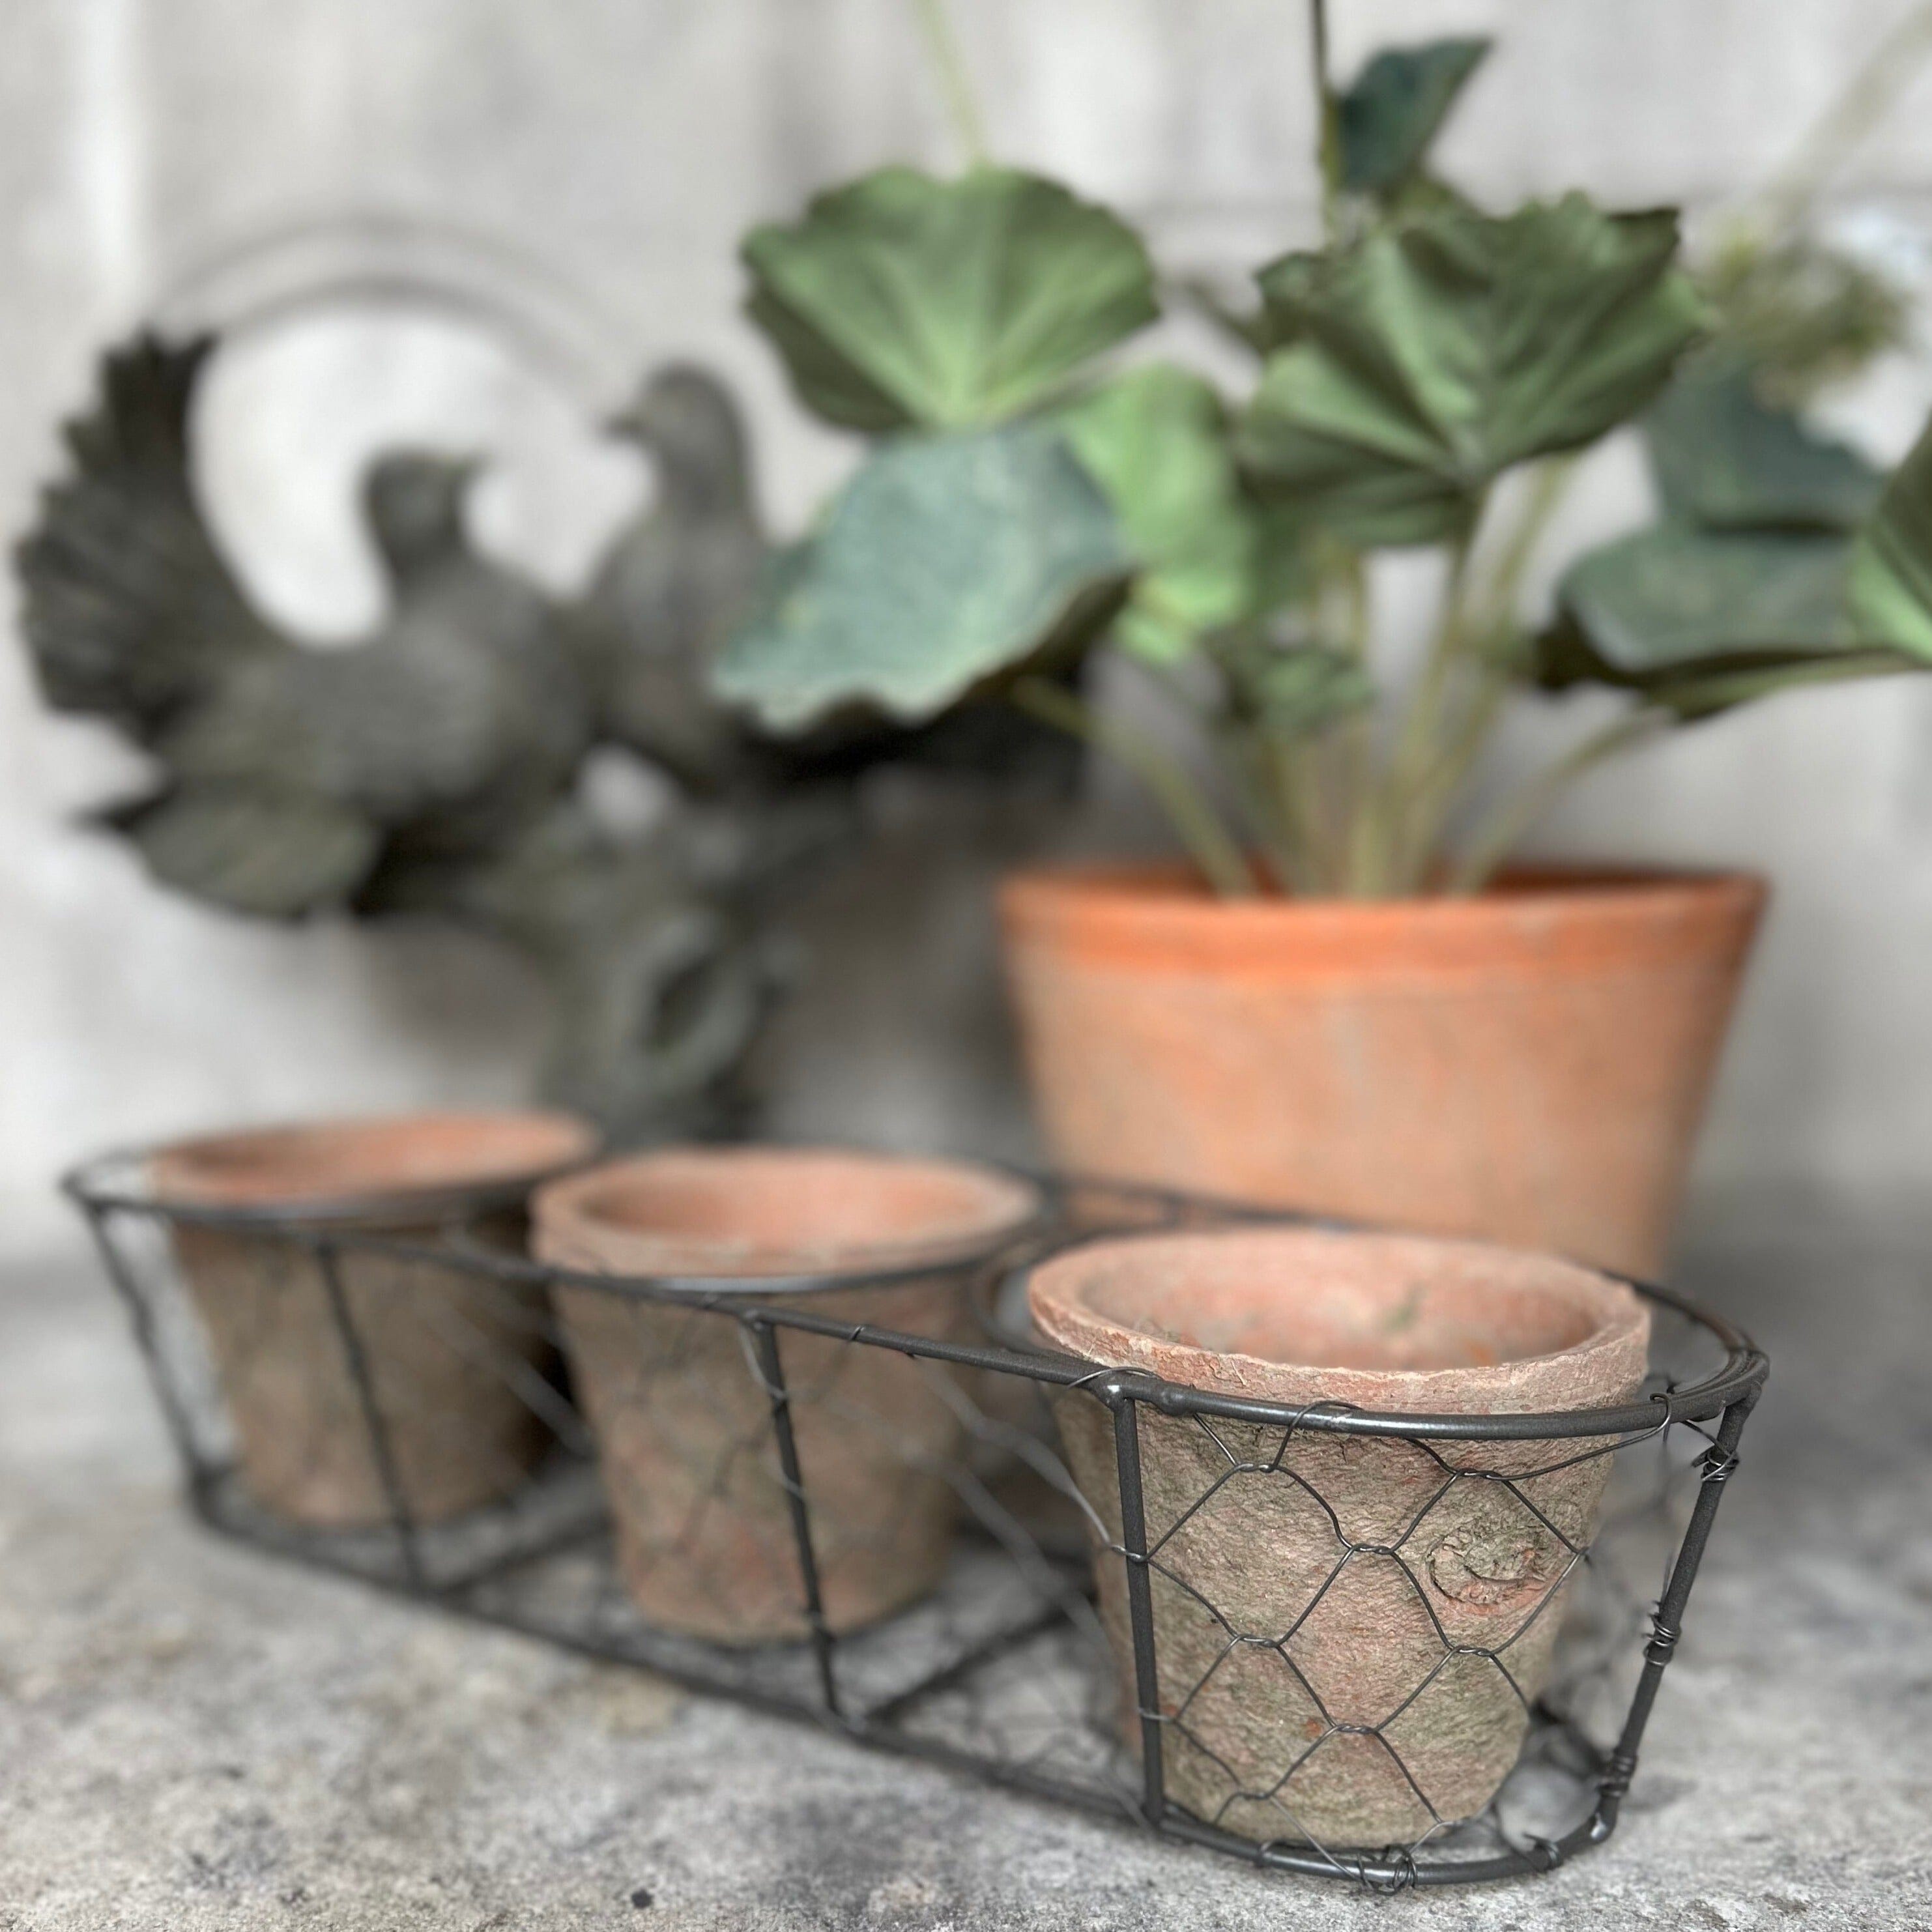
(436, 768)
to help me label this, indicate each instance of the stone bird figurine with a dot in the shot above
(671, 585)
(437, 768)
(289, 769)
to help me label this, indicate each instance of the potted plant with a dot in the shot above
(1347, 998)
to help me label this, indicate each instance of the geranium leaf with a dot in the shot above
(1675, 595)
(1395, 107)
(1444, 347)
(943, 561)
(905, 300)
(1156, 442)
(1724, 458)
(1295, 691)
(1700, 621)
(1890, 595)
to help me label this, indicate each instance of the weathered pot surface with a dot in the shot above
(459, 1433)
(1349, 1630)
(1528, 1066)
(683, 1419)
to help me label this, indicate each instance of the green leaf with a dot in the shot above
(943, 561)
(1676, 596)
(1285, 569)
(1445, 347)
(1296, 691)
(905, 301)
(1288, 285)
(1393, 111)
(1890, 594)
(1155, 440)
(1723, 458)
(1699, 622)
(254, 850)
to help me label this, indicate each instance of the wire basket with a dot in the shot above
(863, 1483)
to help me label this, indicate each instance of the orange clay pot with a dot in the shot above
(443, 1347)
(683, 1417)
(1348, 1635)
(1528, 1065)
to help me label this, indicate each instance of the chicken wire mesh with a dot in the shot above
(1401, 1650)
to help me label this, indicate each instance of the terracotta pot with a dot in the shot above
(443, 1349)
(1308, 1589)
(1529, 1065)
(684, 1425)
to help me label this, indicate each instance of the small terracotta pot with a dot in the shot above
(442, 1348)
(1529, 1065)
(1321, 1601)
(684, 1423)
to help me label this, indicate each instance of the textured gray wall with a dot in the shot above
(622, 145)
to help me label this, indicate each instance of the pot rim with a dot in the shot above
(1171, 889)
(1538, 921)
(181, 1178)
(1616, 1345)
(1015, 1204)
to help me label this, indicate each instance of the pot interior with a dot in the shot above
(1306, 1298)
(343, 1160)
(786, 1211)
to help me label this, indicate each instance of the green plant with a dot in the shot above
(1427, 377)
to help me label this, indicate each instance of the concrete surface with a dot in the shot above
(193, 1736)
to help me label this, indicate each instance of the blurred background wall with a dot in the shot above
(604, 155)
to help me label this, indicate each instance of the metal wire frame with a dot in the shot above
(840, 1689)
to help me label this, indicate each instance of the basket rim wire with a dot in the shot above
(114, 1188)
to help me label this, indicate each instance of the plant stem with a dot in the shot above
(1420, 814)
(1377, 841)
(1547, 488)
(1328, 121)
(1271, 806)
(1208, 840)
(1309, 805)
(1517, 810)
(1428, 805)
(955, 83)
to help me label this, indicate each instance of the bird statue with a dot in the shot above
(671, 585)
(434, 767)
(288, 768)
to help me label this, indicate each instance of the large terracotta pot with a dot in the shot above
(443, 1348)
(1528, 1065)
(1325, 1606)
(677, 1395)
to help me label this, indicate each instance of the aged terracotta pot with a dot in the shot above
(442, 1348)
(705, 1536)
(1529, 1065)
(1297, 1608)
